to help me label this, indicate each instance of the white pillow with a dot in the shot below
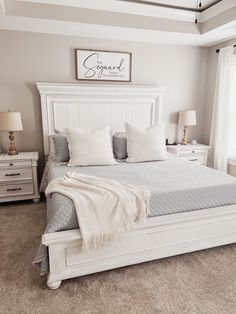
(145, 144)
(89, 148)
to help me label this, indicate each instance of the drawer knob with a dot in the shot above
(16, 189)
(193, 151)
(193, 159)
(12, 174)
(11, 164)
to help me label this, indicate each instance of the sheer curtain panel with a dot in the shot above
(219, 139)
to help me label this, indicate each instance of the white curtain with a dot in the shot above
(219, 140)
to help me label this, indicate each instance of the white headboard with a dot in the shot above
(95, 106)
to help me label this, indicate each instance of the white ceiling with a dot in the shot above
(122, 20)
(181, 3)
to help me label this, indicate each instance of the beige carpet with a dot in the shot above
(201, 282)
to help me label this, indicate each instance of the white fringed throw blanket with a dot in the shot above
(105, 208)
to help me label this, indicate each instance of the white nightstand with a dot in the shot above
(195, 153)
(18, 177)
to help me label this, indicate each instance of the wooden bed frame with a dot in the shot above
(94, 106)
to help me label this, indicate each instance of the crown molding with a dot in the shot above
(141, 9)
(75, 88)
(215, 10)
(123, 7)
(85, 30)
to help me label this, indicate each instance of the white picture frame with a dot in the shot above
(102, 65)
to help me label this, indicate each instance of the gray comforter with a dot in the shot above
(175, 185)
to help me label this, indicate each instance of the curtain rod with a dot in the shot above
(218, 50)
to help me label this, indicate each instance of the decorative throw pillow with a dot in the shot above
(120, 145)
(89, 148)
(145, 144)
(61, 150)
(51, 147)
(51, 144)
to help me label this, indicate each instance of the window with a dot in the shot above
(232, 126)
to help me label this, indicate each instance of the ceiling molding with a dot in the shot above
(141, 8)
(215, 10)
(123, 7)
(85, 30)
(2, 7)
(178, 5)
(216, 26)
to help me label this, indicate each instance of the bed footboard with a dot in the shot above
(159, 237)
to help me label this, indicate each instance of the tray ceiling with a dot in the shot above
(128, 20)
(185, 4)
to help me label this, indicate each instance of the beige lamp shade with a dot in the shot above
(187, 117)
(10, 121)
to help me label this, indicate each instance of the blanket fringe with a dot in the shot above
(98, 240)
(81, 189)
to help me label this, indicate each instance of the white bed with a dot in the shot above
(95, 106)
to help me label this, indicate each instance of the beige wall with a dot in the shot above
(28, 57)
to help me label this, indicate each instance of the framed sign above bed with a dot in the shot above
(102, 65)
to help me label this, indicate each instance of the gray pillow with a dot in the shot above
(61, 147)
(120, 145)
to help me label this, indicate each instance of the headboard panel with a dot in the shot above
(95, 106)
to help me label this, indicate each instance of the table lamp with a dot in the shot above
(186, 118)
(11, 121)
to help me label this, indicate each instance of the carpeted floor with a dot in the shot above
(201, 282)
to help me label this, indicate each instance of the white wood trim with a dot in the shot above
(101, 89)
(159, 237)
(119, 100)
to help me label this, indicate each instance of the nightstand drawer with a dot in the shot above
(15, 174)
(195, 153)
(187, 152)
(196, 158)
(18, 177)
(16, 163)
(16, 189)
